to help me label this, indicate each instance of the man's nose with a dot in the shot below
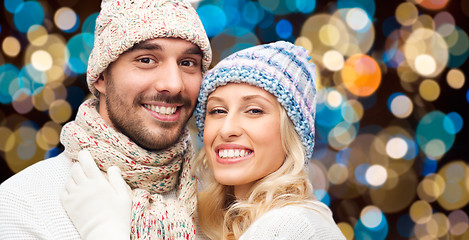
(170, 80)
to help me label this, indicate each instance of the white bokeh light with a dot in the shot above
(396, 148)
(425, 64)
(401, 106)
(357, 19)
(333, 60)
(376, 175)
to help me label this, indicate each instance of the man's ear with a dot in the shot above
(100, 84)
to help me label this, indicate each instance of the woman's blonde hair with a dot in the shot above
(221, 216)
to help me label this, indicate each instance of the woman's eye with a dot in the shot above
(217, 111)
(146, 60)
(255, 111)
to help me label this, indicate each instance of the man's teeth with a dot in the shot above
(233, 153)
(161, 110)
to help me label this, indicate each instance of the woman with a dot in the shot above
(256, 113)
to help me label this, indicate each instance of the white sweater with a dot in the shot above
(295, 222)
(30, 206)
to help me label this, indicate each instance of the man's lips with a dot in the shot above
(163, 110)
(168, 113)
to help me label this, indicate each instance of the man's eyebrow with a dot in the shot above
(155, 46)
(145, 46)
(194, 50)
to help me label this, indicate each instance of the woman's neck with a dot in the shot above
(241, 191)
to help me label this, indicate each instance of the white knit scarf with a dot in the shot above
(148, 173)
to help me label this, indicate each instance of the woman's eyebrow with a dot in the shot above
(243, 99)
(255, 96)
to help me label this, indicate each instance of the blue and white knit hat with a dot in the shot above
(280, 68)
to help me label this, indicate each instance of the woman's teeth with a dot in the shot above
(233, 153)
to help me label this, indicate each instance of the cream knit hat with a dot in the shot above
(123, 23)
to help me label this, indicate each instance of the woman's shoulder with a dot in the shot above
(307, 221)
(306, 214)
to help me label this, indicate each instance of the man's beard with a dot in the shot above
(126, 120)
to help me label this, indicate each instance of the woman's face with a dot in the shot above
(242, 135)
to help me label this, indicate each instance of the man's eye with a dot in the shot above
(187, 63)
(146, 60)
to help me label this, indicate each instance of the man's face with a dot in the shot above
(150, 91)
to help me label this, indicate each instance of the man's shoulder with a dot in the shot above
(47, 171)
(30, 206)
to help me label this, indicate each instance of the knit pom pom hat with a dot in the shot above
(280, 68)
(123, 23)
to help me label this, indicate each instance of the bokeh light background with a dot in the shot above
(391, 152)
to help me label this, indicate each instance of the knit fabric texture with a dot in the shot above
(295, 222)
(149, 174)
(280, 68)
(123, 23)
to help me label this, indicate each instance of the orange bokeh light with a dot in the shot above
(361, 75)
(432, 4)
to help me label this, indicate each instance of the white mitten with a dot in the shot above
(99, 208)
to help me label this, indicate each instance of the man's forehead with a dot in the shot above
(167, 43)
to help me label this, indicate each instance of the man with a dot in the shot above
(145, 70)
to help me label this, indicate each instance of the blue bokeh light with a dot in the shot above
(343, 156)
(13, 5)
(306, 6)
(31, 13)
(390, 25)
(233, 16)
(323, 196)
(391, 98)
(89, 24)
(429, 166)
(453, 122)
(284, 29)
(431, 135)
(467, 95)
(380, 232)
(253, 13)
(267, 21)
(32, 79)
(405, 226)
(412, 148)
(213, 18)
(327, 118)
(368, 6)
(360, 173)
(459, 52)
(78, 50)
(8, 74)
(53, 152)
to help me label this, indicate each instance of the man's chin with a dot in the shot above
(159, 141)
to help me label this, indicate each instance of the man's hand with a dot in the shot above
(99, 208)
